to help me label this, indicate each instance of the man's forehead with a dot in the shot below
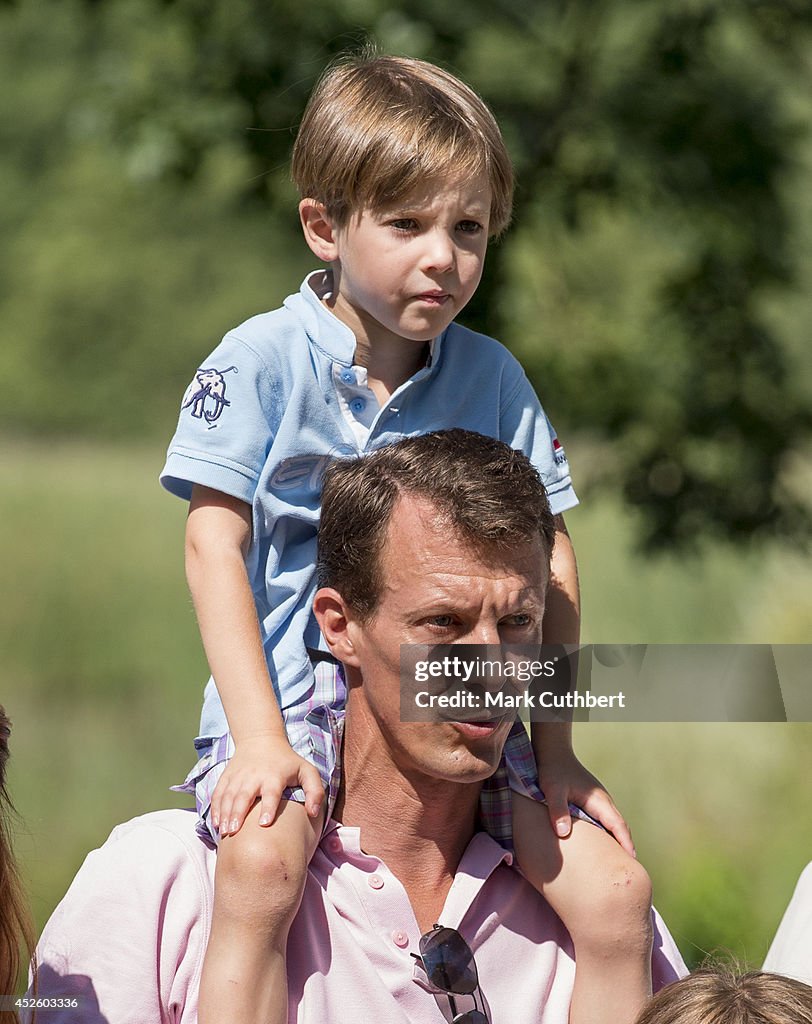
(423, 547)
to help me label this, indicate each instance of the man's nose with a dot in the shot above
(485, 633)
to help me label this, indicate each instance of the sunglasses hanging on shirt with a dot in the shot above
(450, 968)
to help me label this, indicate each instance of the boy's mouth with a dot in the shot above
(435, 298)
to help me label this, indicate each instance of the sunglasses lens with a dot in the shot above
(449, 964)
(471, 1017)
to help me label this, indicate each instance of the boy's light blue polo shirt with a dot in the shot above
(262, 418)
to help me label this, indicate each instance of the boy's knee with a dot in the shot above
(261, 877)
(620, 908)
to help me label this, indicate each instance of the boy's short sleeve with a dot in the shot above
(525, 426)
(227, 420)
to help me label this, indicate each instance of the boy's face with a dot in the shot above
(406, 271)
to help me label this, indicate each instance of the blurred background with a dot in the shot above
(656, 284)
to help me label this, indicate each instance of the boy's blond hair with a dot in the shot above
(714, 995)
(376, 128)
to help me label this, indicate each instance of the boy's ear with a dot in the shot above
(336, 622)
(319, 230)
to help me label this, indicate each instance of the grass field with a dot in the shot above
(103, 674)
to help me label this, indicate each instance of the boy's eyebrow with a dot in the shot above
(474, 208)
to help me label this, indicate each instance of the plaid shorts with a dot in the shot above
(315, 727)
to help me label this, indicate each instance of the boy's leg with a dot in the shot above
(258, 886)
(603, 897)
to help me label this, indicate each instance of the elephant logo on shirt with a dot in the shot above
(207, 394)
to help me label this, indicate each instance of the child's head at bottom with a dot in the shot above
(720, 995)
(378, 128)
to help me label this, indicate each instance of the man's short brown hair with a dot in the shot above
(491, 497)
(377, 127)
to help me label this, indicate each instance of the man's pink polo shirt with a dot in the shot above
(129, 936)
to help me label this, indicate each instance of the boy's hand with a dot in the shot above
(261, 768)
(564, 781)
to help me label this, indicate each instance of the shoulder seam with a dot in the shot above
(269, 376)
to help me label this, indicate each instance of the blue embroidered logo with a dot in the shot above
(207, 394)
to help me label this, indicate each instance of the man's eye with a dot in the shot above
(517, 621)
(469, 227)
(442, 621)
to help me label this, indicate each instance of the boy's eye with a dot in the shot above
(404, 224)
(469, 227)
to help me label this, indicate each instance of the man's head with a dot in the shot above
(442, 538)
(376, 128)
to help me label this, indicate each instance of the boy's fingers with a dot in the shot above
(622, 833)
(222, 802)
(236, 816)
(217, 801)
(612, 820)
(558, 809)
(271, 797)
(224, 816)
(230, 813)
(310, 781)
(214, 809)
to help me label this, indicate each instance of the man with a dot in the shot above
(437, 539)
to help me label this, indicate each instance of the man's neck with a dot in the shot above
(419, 827)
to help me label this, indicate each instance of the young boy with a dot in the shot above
(404, 177)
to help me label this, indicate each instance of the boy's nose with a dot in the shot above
(440, 253)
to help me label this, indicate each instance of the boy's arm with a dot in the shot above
(562, 776)
(218, 533)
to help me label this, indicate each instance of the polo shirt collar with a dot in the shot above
(481, 858)
(325, 331)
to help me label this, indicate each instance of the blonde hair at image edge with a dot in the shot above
(377, 128)
(721, 995)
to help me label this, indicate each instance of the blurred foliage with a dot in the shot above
(656, 283)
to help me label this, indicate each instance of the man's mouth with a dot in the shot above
(478, 730)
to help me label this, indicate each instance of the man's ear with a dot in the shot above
(319, 230)
(336, 622)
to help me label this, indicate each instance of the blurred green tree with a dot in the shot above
(657, 149)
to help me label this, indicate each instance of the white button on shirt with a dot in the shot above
(356, 400)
